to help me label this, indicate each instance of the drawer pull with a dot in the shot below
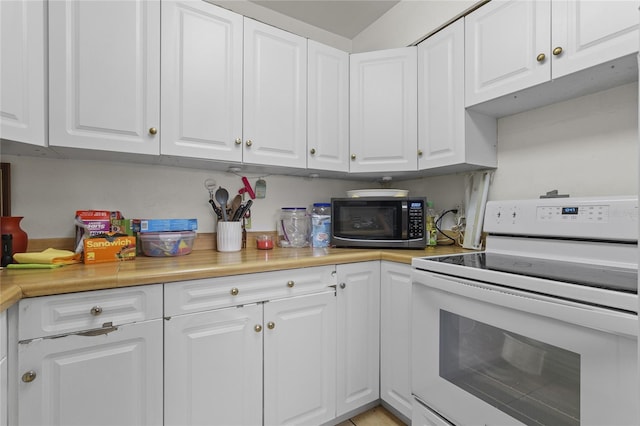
(290, 284)
(258, 328)
(96, 310)
(29, 376)
(98, 332)
(343, 285)
(234, 291)
(271, 325)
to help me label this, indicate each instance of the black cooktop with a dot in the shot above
(607, 277)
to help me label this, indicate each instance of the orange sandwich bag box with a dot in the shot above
(109, 247)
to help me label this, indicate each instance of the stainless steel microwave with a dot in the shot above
(382, 222)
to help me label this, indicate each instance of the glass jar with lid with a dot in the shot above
(294, 227)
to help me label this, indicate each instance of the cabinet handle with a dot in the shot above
(96, 310)
(234, 291)
(153, 131)
(271, 325)
(238, 141)
(419, 153)
(29, 376)
(258, 328)
(290, 284)
(249, 142)
(342, 285)
(557, 51)
(353, 156)
(541, 57)
(313, 151)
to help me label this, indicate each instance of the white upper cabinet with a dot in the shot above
(591, 32)
(448, 135)
(201, 81)
(383, 119)
(503, 40)
(512, 45)
(23, 74)
(275, 96)
(104, 75)
(328, 108)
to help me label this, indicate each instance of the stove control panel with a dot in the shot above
(610, 218)
(571, 213)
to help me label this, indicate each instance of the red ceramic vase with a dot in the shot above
(11, 225)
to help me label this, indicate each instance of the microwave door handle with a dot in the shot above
(405, 219)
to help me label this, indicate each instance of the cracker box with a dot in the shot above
(110, 248)
(164, 225)
(93, 222)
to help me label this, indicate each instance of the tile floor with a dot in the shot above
(377, 416)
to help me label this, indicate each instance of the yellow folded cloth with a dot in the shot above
(49, 256)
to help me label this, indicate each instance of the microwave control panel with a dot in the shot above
(416, 219)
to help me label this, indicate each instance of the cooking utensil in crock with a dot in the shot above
(222, 197)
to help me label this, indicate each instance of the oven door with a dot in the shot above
(494, 356)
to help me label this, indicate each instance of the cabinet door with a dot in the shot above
(275, 96)
(201, 81)
(105, 379)
(441, 113)
(328, 108)
(23, 74)
(384, 130)
(358, 335)
(299, 360)
(213, 367)
(4, 387)
(591, 33)
(104, 75)
(502, 42)
(395, 336)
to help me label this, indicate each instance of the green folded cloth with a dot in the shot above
(34, 265)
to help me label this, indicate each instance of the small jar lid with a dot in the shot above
(293, 208)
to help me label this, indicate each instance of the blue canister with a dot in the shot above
(321, 225)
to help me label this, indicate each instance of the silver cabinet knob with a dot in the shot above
(271, 325)
(29, 376)
(353, 156)
(238, 141)
(313, 151)
(290, 284)
(258, 328)
(234, 291)
(342, 285)
(96, 310)
(249, 142)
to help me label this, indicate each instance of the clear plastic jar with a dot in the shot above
(294, 227)
(321, 225)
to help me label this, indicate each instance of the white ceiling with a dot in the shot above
(346, 18)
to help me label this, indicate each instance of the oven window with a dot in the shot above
(533, 382)
(379, 220)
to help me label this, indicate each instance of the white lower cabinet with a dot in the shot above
(270, 360)
(105, 375)
(395, 336)
(358, 335)
(213, 367)
(299, 360)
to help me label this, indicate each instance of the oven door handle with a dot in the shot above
(597, 318)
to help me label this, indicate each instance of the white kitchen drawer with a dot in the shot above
(69, 313)
(213, 293)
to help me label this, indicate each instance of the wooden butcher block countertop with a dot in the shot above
(16, 284)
